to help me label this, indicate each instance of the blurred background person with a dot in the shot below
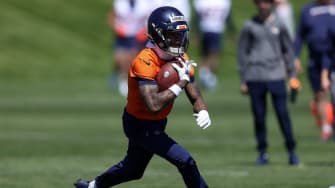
(332, 75)
(211, 18)
(265, 61)
(315, 20)
(127, 19)
(284, 11)
(328, 72)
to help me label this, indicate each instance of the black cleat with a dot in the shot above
(81, 184)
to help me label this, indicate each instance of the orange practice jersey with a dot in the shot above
(145, 66)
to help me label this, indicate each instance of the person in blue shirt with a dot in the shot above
(316, 18)
(328, 70)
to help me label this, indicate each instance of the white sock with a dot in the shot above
(326, 128)
(92, 184)
(207, 78)
(123, 87)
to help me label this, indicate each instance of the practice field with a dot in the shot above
(53, 133)
(60, 121)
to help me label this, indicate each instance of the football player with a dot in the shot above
(316, 19)
(145, 115)
(328, 76)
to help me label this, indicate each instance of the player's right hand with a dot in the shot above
(183, 70)
(244, 89)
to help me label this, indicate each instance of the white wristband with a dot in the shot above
(175, 89)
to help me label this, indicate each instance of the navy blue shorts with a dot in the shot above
(125, 42)
(211, 43)
(146, 138)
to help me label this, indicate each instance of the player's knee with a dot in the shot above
(188, 163)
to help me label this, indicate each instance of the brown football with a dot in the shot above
(167, 76)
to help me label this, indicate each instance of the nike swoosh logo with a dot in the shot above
(147, 62)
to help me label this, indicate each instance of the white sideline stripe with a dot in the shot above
(221, 173)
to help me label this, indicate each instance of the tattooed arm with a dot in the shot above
(199, 107)
(195, 97)
(155, 100)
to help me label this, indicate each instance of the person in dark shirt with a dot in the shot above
(328, 72)
(315, 21)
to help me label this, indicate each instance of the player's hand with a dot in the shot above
(295, 86)
(325, 82)
(190, 63)
(244, 89)
(297, 66)
(294, 83)
(183, 70)
(203, 119)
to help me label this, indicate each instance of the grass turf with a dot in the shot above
(50, 137)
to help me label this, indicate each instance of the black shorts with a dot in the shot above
(314, 77)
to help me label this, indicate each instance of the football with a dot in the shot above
(167, 76)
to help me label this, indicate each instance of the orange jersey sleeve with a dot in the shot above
(145, 66)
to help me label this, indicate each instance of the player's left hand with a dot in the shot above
(203, 119)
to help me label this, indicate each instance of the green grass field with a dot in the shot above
(54, 133)
(59, 121)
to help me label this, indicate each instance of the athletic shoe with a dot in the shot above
(81, 184)
(207, 79)
(262, 159)
(293, 159)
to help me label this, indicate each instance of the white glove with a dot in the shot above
(183, 71)
(203, 119)
(190, 63)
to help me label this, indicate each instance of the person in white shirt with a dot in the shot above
(284, 11)
(211, 17)
(127, 19)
